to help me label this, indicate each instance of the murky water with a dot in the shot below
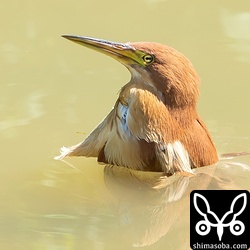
(54, 93)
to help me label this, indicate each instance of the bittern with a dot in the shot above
(154, 125)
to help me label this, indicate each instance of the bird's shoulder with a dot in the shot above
(145, 114)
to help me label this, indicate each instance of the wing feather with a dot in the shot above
(93, 144)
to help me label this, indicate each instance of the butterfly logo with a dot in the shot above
(203, 227)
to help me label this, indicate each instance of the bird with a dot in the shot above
(154, 125)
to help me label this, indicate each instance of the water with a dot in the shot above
(54, 93)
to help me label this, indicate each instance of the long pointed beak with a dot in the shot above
(123, 52)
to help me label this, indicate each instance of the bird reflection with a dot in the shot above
(150, 206)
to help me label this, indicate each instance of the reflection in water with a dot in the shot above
(150, 206)
(61, 208)
(70, 207)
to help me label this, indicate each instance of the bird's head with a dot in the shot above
(154, 64)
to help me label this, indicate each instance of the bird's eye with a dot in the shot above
(148, 59)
